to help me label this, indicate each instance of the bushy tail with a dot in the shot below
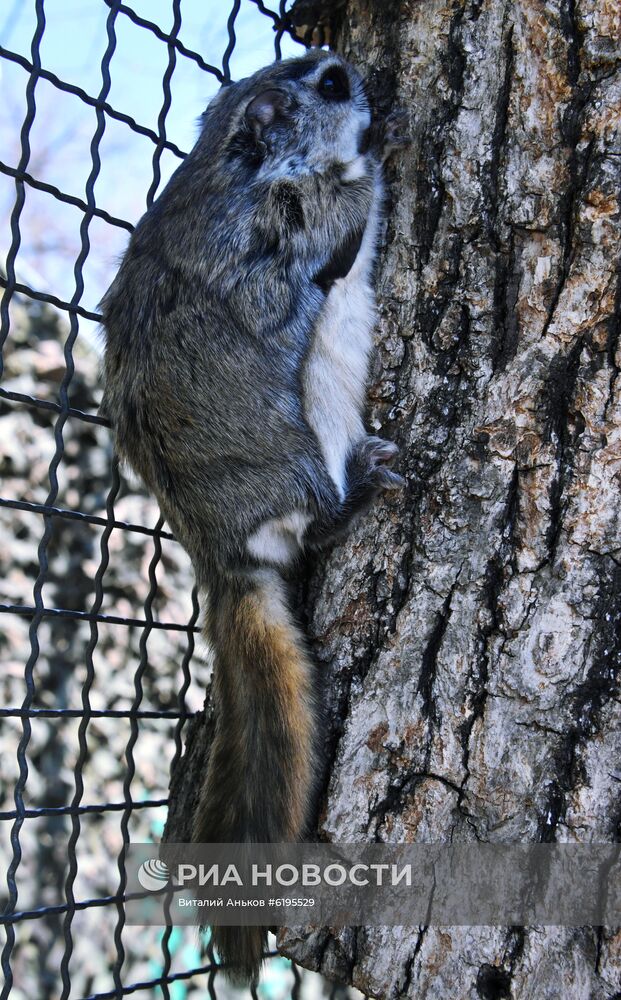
(259, 778)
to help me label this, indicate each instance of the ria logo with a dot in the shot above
(153, 874)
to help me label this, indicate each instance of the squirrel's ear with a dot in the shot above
(264, 109)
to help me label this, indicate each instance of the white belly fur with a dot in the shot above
(336, 368)
(334, 383)
(279, 540)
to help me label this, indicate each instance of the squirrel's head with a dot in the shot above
(294, 117)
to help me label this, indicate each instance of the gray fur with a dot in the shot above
(217, 324)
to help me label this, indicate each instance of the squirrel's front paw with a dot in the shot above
(395, 128)
(379, 456)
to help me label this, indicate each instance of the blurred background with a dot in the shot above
(77, 665)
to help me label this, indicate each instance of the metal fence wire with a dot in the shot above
(59, 664)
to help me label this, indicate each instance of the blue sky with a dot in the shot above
(73, 45)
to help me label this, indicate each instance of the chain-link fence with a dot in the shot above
(101, 668)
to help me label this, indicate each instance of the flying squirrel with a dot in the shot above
(238, 331)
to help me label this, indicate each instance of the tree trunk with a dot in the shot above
(468, 631)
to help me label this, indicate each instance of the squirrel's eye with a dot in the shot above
(334, 85)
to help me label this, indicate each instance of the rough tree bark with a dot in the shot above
(468, 633)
